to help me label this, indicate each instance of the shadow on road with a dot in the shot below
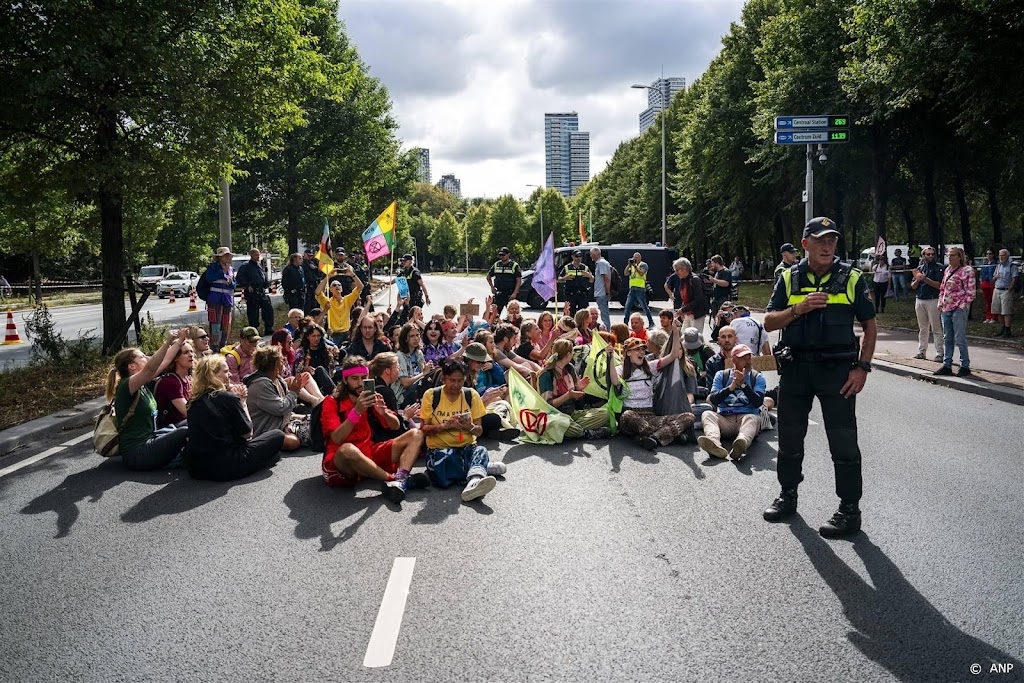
(894, 624)
(443, 503)
(315, 507)
(183, 494)
(621, 448)
(90, 485)
(560, 454)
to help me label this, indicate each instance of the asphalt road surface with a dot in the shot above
(594, 561)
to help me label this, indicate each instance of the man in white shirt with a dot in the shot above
(750, 332)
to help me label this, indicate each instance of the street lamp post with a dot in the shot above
(465, 233)
(541, 202)
(664, 112)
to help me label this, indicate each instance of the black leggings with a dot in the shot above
(258, 453)
(880, 289)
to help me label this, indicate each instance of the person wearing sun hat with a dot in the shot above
(220, 302)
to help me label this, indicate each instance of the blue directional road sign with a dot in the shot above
(812, 136)
(811, 122)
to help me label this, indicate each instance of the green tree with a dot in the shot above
(444, 239)
(508, 227)
(475, 223)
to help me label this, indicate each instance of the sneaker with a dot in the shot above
(944, 370)
(938, 358)
(650, 443)
(766, 421)
(782, 507)
(920, 356)
(844, 522)
(739, 448)
(602, 433)
(712, 448)
(478, 487)
(418, 480)
(963, 372)
(504, 434)
(393, 490)
(496, 469)
(987, 322)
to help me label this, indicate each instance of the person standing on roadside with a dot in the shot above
(789, 259)
(927, 280)
(815, 307)
(687, 294)
(880, 278)
(955, 297)
(577, 278)
(254, 282)
(504, 278)
(293, 282)
(220, 302)
(636, 273)
(313, 277)
(988, 286)
(602, 285)
(722, 280)
(1005, 279)
(898, 267)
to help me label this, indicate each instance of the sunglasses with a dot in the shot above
(205, 336)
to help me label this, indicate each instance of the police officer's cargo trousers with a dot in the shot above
(801, 382)
(501, 300)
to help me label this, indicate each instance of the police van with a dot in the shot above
(658, 259)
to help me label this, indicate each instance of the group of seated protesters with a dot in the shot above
(399, 386)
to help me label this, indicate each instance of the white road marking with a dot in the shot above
(381, 649)
(77, 440)
(812, 422)
(1016, 358)
(29, 461)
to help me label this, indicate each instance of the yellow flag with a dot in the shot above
(539, 422)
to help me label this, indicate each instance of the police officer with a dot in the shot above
(814, 304)
(311, 269)
(293, 282)
(789, 259)
(362, 272)
(417, 290)
(577, 278)
(254, 282)
(504, 278)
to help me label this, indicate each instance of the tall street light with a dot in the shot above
(664, 111)
(466, 233)
(541, 202)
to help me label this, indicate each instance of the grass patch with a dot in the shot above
(39, 390)
(54, 300)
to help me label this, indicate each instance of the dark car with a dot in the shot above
(658, 259)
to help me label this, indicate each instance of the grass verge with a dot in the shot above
(38, 390)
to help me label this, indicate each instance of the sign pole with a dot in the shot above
(809, 189)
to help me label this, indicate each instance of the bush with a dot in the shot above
(49, 347)
(153, 336)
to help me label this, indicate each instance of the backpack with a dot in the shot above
(316, 428)
(435, 398)
(203, 287)
(230, 350)
(432, 380)
(616, 281)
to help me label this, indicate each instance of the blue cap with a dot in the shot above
(787, 247)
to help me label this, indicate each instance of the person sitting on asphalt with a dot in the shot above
(750, 332)
(309, 393)
(384, 370)
(595, 320)
(531, 347)
(141, 446)
(173, 388)
(722, 318)
(222, 446)
(548, 333)
(413, 367)
(200, 339)
(723, 359)
(338, 306)
(434, 347)
(367, 338)
(657, 343)
(639, 418)
(295, 316)
(636, 327)
(239, 355)
(621, 333)
(737, 396)
(505, 359)
(562, 389)
(272, 399)
(350, 453)
(699, 354)
(316, 357)
(513, 313)
(482, 371)
(488, 380)
(452, 416)
(584, 331)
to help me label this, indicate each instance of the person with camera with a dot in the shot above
(254, 282)
(815, 307)
(722, 318)
(636, 275)
(721, 278)
(338, 306)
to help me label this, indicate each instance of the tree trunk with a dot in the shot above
(997, 217)
(111, 196)
(37, 278)
(879, 196)
(780, 234)
(934, 231)
(965, 213)
(908, 219)
(293, 230)
(840, 217)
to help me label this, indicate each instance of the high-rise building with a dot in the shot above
(450, 184)
(566, 152)
(424, 173)
(660, 95)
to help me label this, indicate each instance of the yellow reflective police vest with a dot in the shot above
(505, 275)
(828, 329)
(637, 277)
(575, 280)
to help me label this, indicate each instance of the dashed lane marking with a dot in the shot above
(77, 440)
(381, 650)
(30, 461)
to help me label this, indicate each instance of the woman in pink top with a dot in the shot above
(955, 297)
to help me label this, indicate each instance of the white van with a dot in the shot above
(150, 276)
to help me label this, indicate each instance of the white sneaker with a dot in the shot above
(478, 487)
(938, 358)
(496, 469)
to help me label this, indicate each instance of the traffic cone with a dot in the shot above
(172, 299)
(12, 331)
(192, 301)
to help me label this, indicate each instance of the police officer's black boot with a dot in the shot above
(844, 522)
(782, 507)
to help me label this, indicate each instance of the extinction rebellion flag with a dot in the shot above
(538, 421)
(379, 238)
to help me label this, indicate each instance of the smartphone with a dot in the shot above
(369, 385)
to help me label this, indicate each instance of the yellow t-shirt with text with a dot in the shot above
(445, 410)
(339, 313)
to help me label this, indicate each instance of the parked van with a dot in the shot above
(150, 276)
(658, 259)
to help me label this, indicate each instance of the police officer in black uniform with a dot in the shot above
(293, 282)
(254, 282)
(360, 270)
(417, 291)
(314, 275)
(504, 278)
(577, 278)
(815, 304)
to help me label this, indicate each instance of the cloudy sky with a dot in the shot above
(472, 79)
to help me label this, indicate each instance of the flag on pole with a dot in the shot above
(590, 225)
(379, 238)
(544, 282)
(538, 421)
(583, 232)
(323, 252)
(596, 369)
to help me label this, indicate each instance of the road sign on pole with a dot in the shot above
(811, 122)
(812, 136)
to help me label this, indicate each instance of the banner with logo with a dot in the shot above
(539, 422)
(596, 368)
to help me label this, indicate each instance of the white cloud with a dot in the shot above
(471, 80)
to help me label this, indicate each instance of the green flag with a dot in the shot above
(597, 371)
(538, 421)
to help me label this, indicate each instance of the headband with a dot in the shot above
(355, 370)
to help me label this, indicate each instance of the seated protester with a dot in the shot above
(367, 338)
(398, 317)
(584, 334)
(676, 387)
(483, 372)
(450, 330)
(449, 312)
(621, 333)
(295, 317)
(721, 319)
(699, 354)
(513, 313)
(723, 359)
(500, 357)
(665, 318)
(141, 445)
(737, 395)
(200, 339)
(350, 453)
(531, 347)
(637, 330)
(316, 357)
(436, 348)
(416, 317)
(504, 341)
(561, 388)
(750, 332)
(595, 319)
(639, 373)
(338, 306)
(239, 355)
(222, 446)
(384, 370)
(548, 333)
(392, 335)
(452, 416)
(488, 380)
(173, 388)
(309, 393)
(658, 343)
(412, 366)
(271, 399)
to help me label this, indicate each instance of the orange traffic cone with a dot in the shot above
(12, 330)
(172, 299)
(192, 301)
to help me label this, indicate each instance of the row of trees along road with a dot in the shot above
(118, 119)
(934, 87)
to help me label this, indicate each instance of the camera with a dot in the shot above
(822, 157)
